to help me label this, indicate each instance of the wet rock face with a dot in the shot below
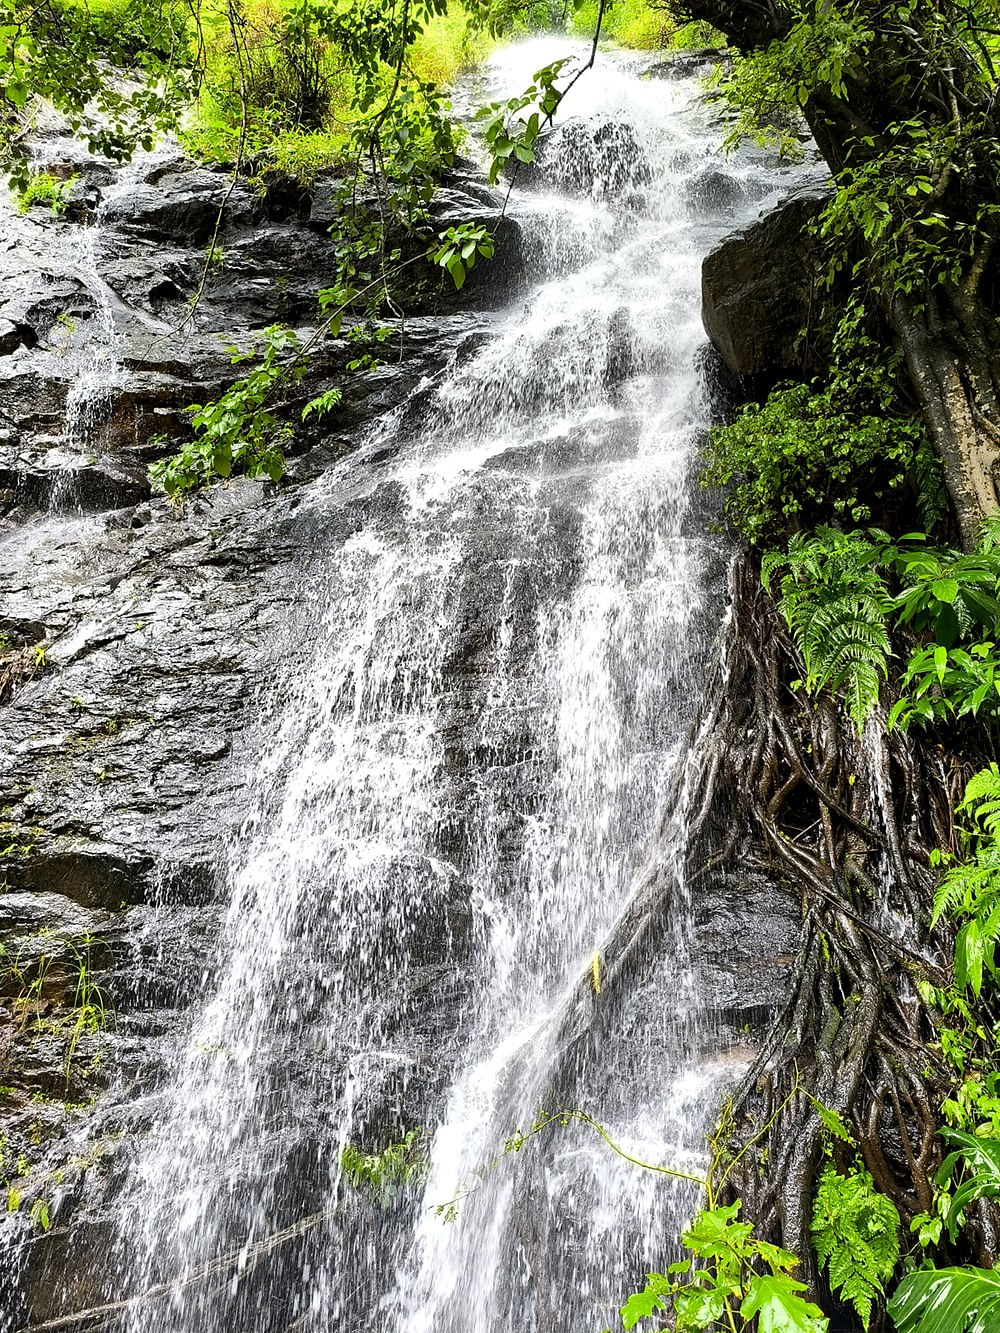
(699, 63)
(145, 645)
(758, 288)
(603, 161)
(138, 642)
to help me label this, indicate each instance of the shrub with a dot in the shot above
(805, 456)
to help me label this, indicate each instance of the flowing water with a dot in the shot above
(100, 374)
(457, 800)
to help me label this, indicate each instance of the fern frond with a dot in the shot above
(970, 887)
(989, 536)
(836, 604)
(855, 1232)
(982, 800)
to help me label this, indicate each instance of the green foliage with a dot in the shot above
(982, 802)
(450, 43)
(768, 87)
(970, 889)
(507, 132)
(725, 1286)
(33, 975)
(326, 402)
(893, 200)
(947, 1300)
(949, 594)
(836, 603)
(132, 30)
(941, 683)
(60, 52)
(385, 1174)
(459, 248)
(45, 189)
(955, 1300)
(805, 456)
(238, 431)
(952, 598)
(636, 23)
(855, 1232)
(971, 1171)
(975, 1102)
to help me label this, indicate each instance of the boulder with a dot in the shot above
(463, 196)
(758, 288)
(182, 206)
(603, 161)
(697, 64)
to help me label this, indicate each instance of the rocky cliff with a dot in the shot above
(141, 641)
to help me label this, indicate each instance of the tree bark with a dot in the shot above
(957, 390)
(947, 333)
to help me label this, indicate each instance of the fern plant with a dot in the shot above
(836, 603)
(855, 1232)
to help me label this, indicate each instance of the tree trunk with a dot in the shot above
(953, 369)
(948, 336)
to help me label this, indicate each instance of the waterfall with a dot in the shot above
(459, 797)
(100, 375)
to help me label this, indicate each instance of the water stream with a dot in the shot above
(100, 374)
(456, 800)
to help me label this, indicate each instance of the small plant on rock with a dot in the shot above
(46, 189)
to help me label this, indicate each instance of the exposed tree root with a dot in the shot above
(785, 785)
(781, 784)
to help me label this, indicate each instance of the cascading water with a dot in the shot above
(458, 799)
(100, 374)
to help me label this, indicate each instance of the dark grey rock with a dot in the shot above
(182, 206)
(697, 64)
(758, 288)
(603, 160)
(13, 336)
(62, 156)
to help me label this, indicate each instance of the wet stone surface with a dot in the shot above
(155, 645)
(151, 637)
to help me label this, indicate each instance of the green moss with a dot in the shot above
(45, 189)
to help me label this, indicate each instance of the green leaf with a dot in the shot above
(715, 1232)
(775, 1256)
(855, 1232)
(945, 590)
(776, 1300)
(969, 956)
(946, 626)
(832, 1122)
(947, 1300)
(457, 270)
(640, 1306)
